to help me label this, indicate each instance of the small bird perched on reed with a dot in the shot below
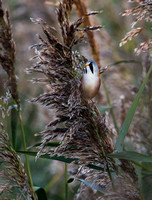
(90, 81)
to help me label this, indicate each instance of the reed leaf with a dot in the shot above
(130, 115)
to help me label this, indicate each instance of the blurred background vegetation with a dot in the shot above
(123, 81)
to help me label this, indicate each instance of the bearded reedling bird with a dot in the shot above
(90, 81)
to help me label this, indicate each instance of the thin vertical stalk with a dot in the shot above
(53, 181)
(14, 121)
(82, 11)
(25, 149)
(66, 181)
(109, 102)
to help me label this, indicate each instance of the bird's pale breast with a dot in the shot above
(90, 85)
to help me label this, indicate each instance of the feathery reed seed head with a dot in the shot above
(7, 52)
(141, 11)
(82, 132)
(12, 172)
(77, 122)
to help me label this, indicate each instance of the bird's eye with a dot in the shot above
(91, 67)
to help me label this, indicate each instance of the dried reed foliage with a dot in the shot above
(77, 122)
(12, 175)
(7, 52)
(5, 106)
(124, 187)
(82, 132)
(142, 11)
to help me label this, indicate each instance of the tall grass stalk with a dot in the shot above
(25, 149)
(66, 181)
(53, 181)
(109, 102)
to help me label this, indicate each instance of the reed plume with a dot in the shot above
(13, 177)
(77, 120)
(141, 12)
(7, 52)
(82, 132)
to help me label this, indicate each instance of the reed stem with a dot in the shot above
(25, 149)
(66, 181)
(109, 102)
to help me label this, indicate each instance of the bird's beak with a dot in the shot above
(87, 64)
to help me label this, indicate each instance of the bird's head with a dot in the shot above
(91, 67)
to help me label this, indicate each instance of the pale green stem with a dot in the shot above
(25, 149)
(66, 181)
(53, 181)
(142, 166)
